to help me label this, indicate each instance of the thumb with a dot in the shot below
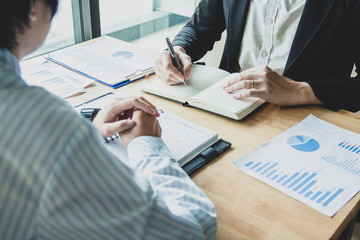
(119, 126)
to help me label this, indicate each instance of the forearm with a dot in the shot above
(93, 194)
(183, 198)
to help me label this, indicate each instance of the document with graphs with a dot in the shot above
(315, 162)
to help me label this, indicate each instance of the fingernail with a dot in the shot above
(130, 123)
(187, 75)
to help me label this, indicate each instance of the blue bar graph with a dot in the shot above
(255, 166)
(350, 165)
(308, 193)
(249, 164)
(262, 167)
(271, 173)
(290, 179)
(275, 177)
(315, 195)
(333, 197)
(282, 178)
(298, 180)
(323, 197)
(269, 168)
(303, 182)
(307, 187)
(352, 148)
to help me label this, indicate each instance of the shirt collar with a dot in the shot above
(8, 58)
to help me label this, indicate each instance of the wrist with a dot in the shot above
(180, 49)
(307, 95)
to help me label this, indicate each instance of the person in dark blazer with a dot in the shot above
(318, 42)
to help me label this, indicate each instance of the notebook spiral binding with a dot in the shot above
(112, 138)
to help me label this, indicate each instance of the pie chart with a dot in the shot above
(303, 143)
(125, 54)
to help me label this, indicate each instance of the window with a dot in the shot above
(61, 32)
(133, 20)
(123, 19)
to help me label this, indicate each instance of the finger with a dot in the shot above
(231, 79)
(186, 62)
(119, 107)
(170, 68)
(109, 129)
(165, 76)
(244, 84)
(142, 103)
(248, 93)
(148, 103)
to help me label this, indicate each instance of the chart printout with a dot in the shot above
(315, 162)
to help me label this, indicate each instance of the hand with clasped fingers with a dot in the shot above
(122, 114)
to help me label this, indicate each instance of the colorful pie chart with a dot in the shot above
(303, 143)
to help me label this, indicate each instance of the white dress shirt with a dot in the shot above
(269, 32)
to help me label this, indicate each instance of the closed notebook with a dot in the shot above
(186, 140)
(205, 91)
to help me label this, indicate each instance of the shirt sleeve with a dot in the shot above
(91, 194)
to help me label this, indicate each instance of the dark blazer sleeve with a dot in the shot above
(325, 55)
(338, 94)
(203, 29)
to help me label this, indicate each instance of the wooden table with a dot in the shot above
(246, 207)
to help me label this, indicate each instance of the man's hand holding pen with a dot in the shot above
(167, 71)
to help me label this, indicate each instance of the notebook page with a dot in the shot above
(201, 78)
(215, 99)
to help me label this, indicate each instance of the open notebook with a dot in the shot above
(191, 145)
(204, 90)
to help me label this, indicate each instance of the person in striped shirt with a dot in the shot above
(57, 179)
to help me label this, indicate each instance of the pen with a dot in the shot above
(174, 58)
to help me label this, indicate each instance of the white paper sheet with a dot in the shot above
(314, 162)
(55, 79)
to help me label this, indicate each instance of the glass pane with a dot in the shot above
(61, 32)
(144, 21)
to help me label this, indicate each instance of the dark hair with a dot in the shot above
(14, 17)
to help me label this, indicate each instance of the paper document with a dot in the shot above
(52, 77)
(314, 162)
(107, 60)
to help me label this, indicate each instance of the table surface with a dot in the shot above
(246, 207)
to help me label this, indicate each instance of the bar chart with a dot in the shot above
(299, 182)
(355, 148)
(314, 162)
(350, 165)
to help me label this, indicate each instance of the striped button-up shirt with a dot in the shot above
(58, 181)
